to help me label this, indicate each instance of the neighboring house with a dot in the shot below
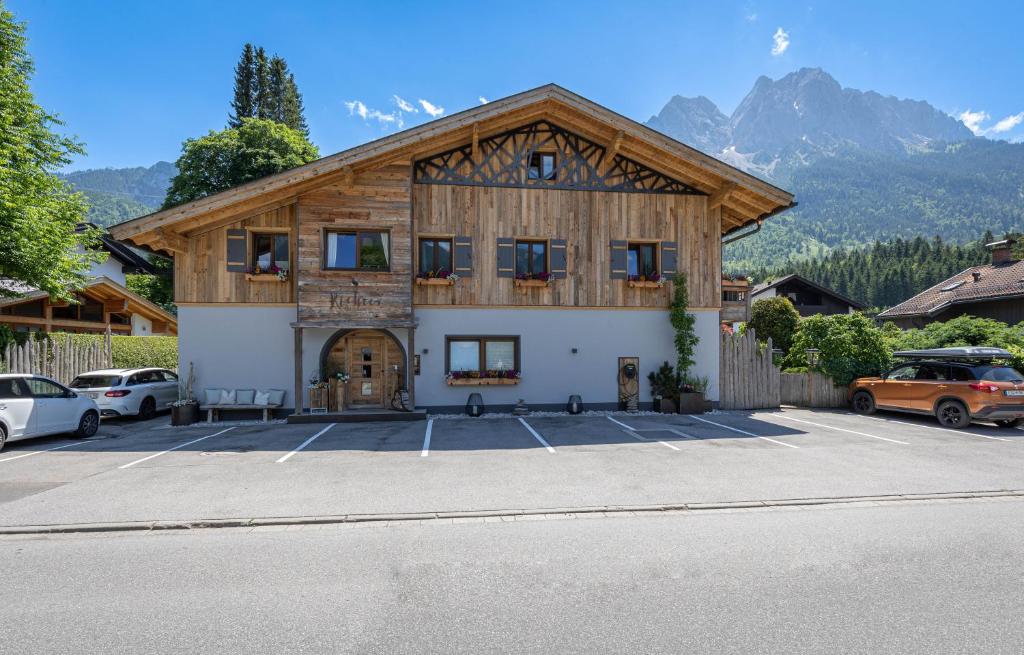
(735, 299)
(556, 215)
(808, 297)
(103, 302)
(994, 290)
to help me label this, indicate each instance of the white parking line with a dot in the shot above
(932, 427)
(45, 450)
(426, 438)
(306, 443)
(749, 434)
(634, 432)
(537, 436)
(830, 427)
(187, 443)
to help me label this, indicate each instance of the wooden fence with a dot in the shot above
(748, 377)
(61, 359)
(811, 390)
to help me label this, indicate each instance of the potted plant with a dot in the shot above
(665, 386)
(185, 410)
(691, 395)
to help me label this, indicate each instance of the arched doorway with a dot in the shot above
(375, 363)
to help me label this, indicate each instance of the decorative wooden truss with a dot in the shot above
(503, 160)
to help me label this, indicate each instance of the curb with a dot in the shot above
(509, 514)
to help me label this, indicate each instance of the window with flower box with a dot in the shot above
(435, 265)
(482, 359)
(270, 257)
(532, 260)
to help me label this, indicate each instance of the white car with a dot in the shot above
(129, 391)
(34, 406)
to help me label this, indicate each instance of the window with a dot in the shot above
(90, 310)
(542, 166)
(641, 259)
(95, 381)
(11, 388)
(997, 374)
(32, 309)
(482, 354)
(904, 373)
(935, 372)
(435, 256)
(531, 258)
(41, 388)
(269, 251)
(169, 377)
(357, 250)
(734, 296)
(960, 374)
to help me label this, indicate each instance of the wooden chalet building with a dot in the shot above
(808, 297)
(517, 249)
(103, 303)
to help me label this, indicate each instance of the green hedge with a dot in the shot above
(134, 352)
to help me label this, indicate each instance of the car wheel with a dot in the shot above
(3, 437)
(147, 409)
(88, 425)
(953, 414)
(1009, 422)
(863, 403)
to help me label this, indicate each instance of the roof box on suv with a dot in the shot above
(964, 352)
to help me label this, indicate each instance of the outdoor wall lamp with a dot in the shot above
(812, 356)
(575, 351)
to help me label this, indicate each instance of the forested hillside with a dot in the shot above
(885, 274)
(855, 198)
(118, 194)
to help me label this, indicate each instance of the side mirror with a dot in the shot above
(884, 375)
(70, 394)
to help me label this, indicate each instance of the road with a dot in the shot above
(904, 577)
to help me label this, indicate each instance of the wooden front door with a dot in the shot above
(366, 367)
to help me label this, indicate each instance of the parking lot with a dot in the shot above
(150, 471)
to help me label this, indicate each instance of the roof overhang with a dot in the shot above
(743, 198)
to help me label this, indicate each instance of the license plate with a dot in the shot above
(1014, 392)
(92, 394)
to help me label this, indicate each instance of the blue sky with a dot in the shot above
(134, 79)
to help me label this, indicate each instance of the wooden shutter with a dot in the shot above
(237, 251)
(618, 260)
(558, 258)
(506, 257)
(669, 259)
(462, 259)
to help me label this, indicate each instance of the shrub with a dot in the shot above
(775, 318)
(665, 382)
(134, 352)
(959, 331)
(850, 346)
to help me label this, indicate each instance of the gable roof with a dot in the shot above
(100, 288)
(995, 282)
(134, 262)
(744, 198)
(794, 277)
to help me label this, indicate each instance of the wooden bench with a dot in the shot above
(212, 411)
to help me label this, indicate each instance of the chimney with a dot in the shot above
(1001, 251)
(976, 275)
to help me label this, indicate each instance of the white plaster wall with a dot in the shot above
(141, 326)
(550, 371)
(238, 347)
(110, 268)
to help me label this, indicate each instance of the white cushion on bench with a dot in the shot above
(213, 396)
(227, 397)
(261, 398)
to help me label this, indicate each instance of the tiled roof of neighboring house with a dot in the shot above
(814, 285)
(994, 282)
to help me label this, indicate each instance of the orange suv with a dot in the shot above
(955, 385)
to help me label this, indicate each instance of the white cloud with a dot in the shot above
(405, 105)
(1008, 123)
(358, 108)
(973, 120)
(431, 108)
(781, 41)
(751, 16)
(483, 100)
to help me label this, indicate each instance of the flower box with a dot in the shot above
(434, 282)
(532, 283)
(647, 284)
(264, 277)
(468, 382)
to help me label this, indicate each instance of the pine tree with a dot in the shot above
(244, 104)
(278, 78)
(294, 112)
(263, 91)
